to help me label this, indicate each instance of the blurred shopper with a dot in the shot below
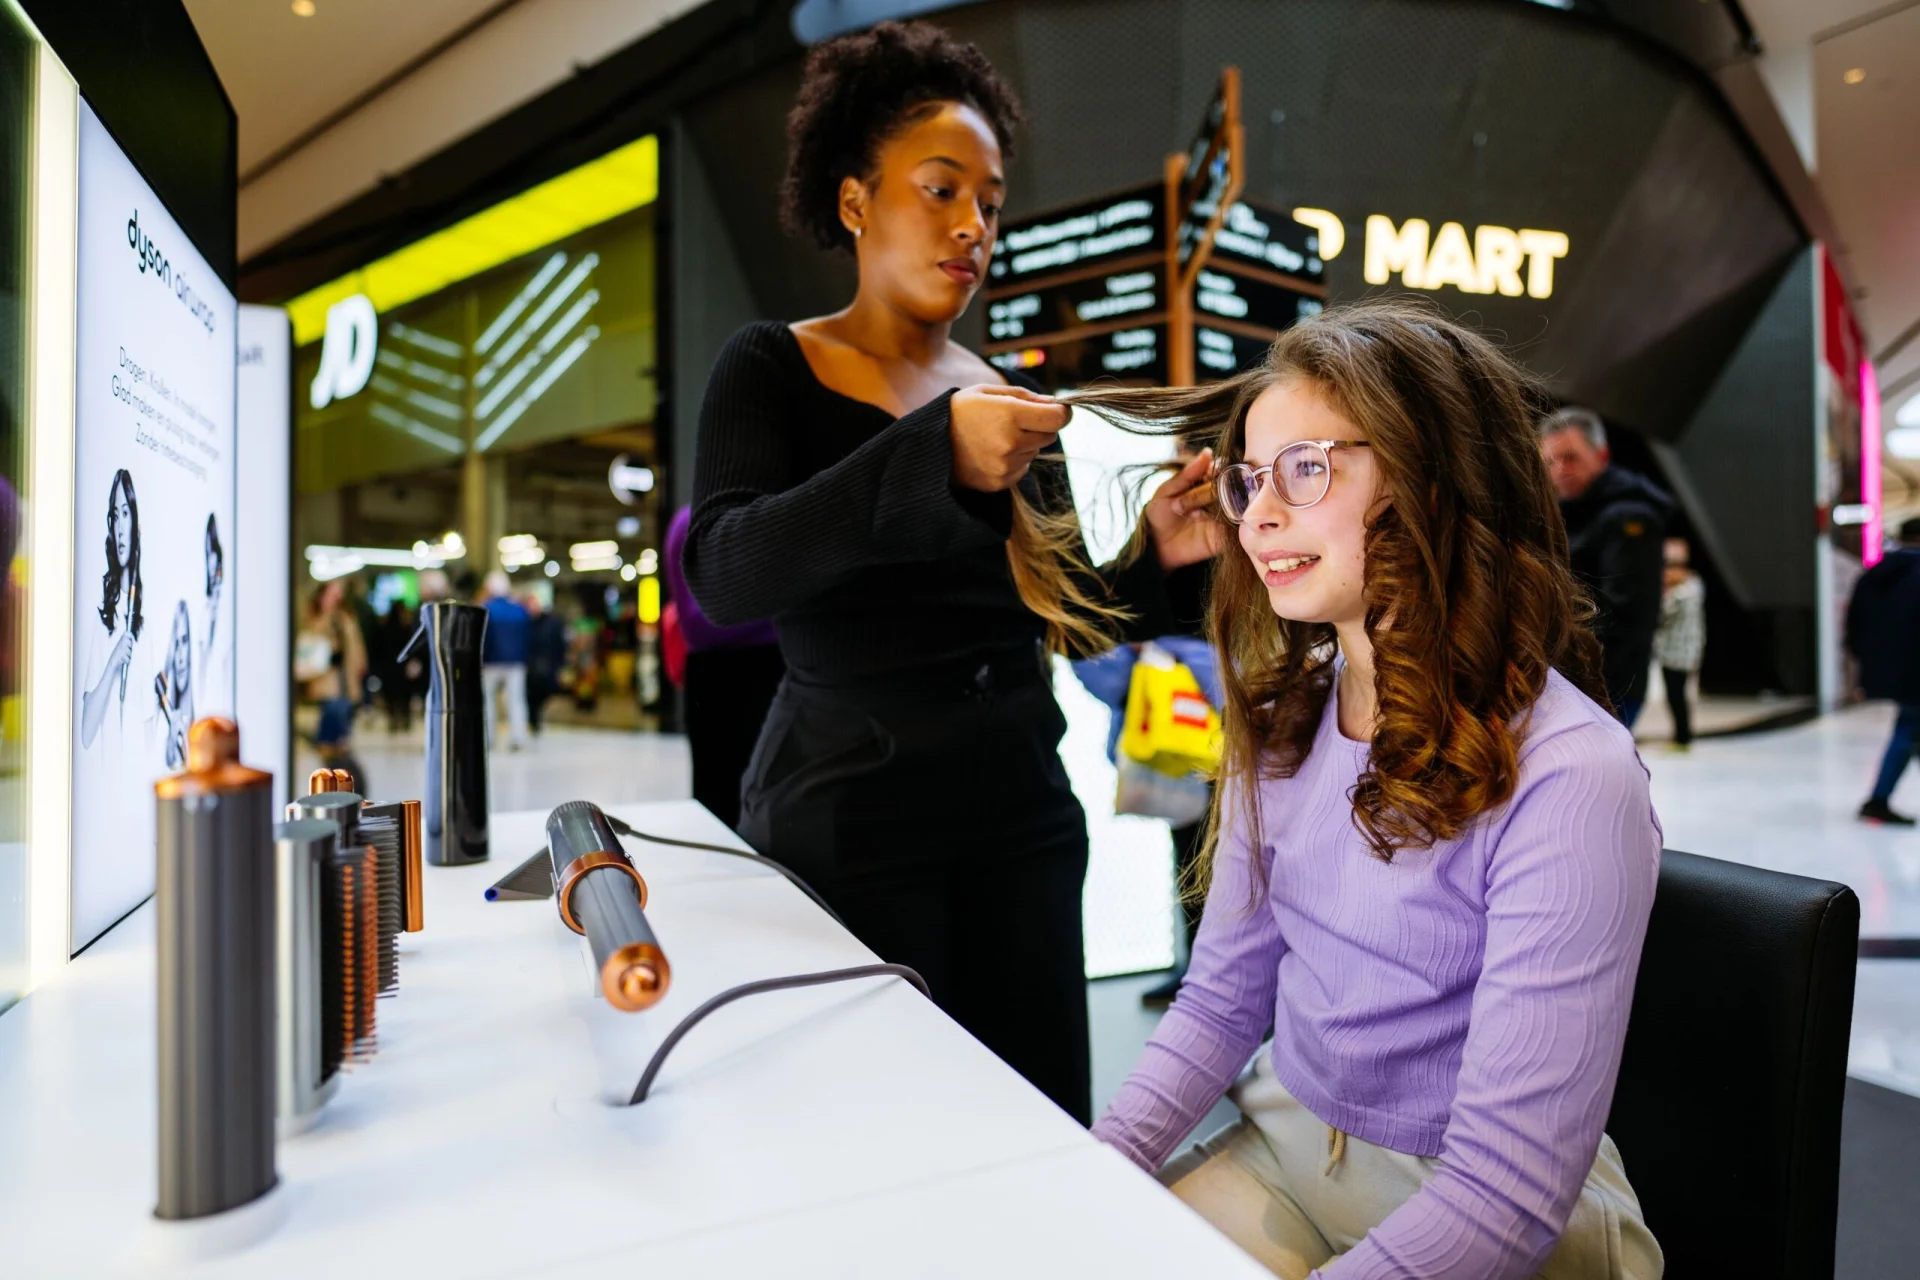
(916, 558)
(333, 658)
(1682, 637)
(1616, 524)
(1883, 631)
(390, 637)
(369, 622)
(503, 662)
(1436, 852)
(730, 677)
(546, 656)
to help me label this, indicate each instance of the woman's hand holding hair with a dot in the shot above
(997, 432)
(1185, 528)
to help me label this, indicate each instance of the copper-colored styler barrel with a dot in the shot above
(601, 895)
(410, 846)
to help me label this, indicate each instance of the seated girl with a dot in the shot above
(1435, 853)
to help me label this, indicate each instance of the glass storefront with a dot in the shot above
(462, 408)
(17, 51)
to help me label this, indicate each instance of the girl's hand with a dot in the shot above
(1185, 529)
(997, 431)
(122, 652)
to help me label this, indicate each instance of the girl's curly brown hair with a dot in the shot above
(1469, 599)
(859, 90)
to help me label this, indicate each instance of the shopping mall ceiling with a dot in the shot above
(287, 74)
(1865, 80)
(335, 95)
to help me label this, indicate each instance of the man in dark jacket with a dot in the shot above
(1883, 631)
(1616, 529)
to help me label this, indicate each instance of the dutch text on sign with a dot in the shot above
(1490, 262)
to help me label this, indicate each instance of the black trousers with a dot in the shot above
(728, 692)
(1676, 682)
(936, 817)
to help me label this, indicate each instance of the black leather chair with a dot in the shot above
(1727, 1113)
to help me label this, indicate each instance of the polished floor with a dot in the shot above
(1782, 799)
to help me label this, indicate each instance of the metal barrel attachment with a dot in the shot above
(215, 900)
(303, 852)
(601, 895)
(349, 929)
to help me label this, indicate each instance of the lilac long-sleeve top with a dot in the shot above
(1467, 1001)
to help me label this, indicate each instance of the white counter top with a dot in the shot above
(849, 1130)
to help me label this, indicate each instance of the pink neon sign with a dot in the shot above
(1872, 535)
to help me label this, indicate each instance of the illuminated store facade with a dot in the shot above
(485, 397)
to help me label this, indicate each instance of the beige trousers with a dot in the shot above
(1297, 1194)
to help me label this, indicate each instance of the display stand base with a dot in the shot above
(168, 1243)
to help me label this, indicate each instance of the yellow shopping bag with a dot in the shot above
(1170, 727)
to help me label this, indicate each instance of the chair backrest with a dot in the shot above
(1727, 1113)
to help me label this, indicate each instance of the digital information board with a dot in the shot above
(1123, 225)
(1127, 292)
(153, 520)
(1137, 354)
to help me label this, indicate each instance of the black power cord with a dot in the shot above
(789, 983)
(792, 982)
(623, 829)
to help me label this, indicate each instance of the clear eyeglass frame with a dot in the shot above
(1238, 484)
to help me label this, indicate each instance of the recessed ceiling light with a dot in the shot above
(303, 8)
(1854, 75)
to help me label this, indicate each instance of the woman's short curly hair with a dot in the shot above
(860, 89)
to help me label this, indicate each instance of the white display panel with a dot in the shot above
(262, 574)
(153, 640)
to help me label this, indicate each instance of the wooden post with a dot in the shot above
(1179, 298)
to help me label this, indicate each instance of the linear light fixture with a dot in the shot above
(541, 351)
(618, 182)
(418, 399)
(524, 401)
(512, 310)
(424, 372)
(328, 562)
(392, 417)
(541, 314)
(422, 339)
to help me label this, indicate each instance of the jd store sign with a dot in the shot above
(346, 352)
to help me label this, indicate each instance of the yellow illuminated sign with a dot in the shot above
(618, 182)
(649, 601)
(1333, 233)
(1490, 263)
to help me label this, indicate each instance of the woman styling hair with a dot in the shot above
(173, 688)
(216, 577)
(120, 610)
(916, 546)
(1436, 852)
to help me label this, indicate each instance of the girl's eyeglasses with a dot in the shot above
(1300, 475)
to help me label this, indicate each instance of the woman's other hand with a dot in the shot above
(1185, 528)
(997, 432)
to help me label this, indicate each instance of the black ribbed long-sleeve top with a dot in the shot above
(844, 524)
